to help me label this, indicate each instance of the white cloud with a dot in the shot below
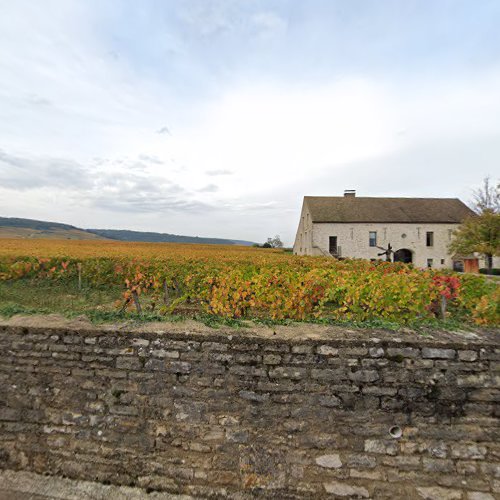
(269, 25)
(84, 131)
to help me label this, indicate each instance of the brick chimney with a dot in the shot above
(350, 192)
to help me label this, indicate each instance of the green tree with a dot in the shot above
(479, 234)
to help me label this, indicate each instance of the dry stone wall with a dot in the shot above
(232, 414)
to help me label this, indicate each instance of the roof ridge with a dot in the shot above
(383, 197)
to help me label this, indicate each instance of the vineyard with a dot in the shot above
(253, 283)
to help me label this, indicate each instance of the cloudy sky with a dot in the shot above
(215, 117)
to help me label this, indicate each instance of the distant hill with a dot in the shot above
(12, 227)
(125, 235)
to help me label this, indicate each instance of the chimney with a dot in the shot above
(350, 192)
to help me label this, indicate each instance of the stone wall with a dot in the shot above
(354, 240)
(248, 413)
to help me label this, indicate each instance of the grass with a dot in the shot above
(27, 297)
(99, 305)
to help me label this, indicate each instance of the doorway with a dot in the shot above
(403, 255)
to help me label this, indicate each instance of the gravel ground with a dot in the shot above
(22, 485)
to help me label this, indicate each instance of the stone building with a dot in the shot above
(419, 230)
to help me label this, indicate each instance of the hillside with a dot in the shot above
(125, 235)
(12, 227)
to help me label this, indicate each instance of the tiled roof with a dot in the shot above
(391, 210)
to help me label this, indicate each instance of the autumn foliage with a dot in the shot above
(242, 282)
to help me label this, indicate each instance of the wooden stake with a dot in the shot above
(166, 298)
(137, 303)
(79, 267)
(443, 307)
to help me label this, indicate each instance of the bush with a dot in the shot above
(494, 272)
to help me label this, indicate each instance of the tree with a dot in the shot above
(487, 197)
(479, 234)
(273, 242)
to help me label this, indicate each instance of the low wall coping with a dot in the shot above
(299, 333)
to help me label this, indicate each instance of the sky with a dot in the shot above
(215, 117)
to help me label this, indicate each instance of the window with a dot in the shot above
(442, 262)
(332, 245)
(373, 238)
(429, 239)
(430, 262)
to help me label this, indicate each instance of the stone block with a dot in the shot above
(329, 461)
(124, 410)
(403, 352)
(437, 493)
(248, 359)
(138, 342)
(364, 376)
(178, 367)
(330, 401)
(327, 350)
(491, 469)
(288, 372)
(302, 349)
(376, 352)
(253, 396)
(214, 346)
(361, 461)
(374, 390)
(479, 495)
(163, 353)
(467, 355)
(402, 462)
(437, 465)
(328, 374)
(155, 365)
(433, 353)
(10, 414)
(381, 446)
(354, 351)
(282, 348)
(374, 475)
(471, 451)
(476, 380)
(128, 363)
(345, 490)
(271, 359)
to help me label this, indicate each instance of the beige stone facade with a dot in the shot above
(427, 242)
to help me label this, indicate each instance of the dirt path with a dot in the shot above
(22, 485)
